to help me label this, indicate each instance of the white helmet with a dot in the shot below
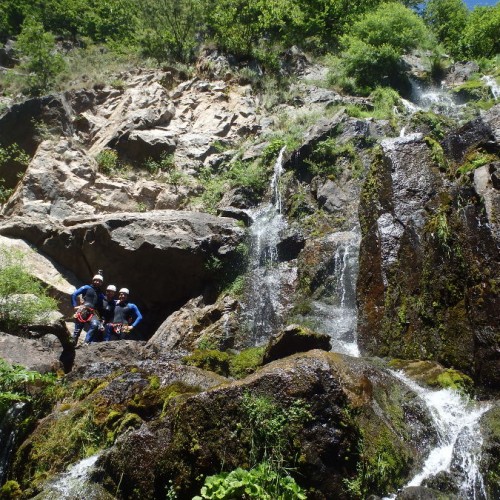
(111, 287)
(98, 277)
(124, 290)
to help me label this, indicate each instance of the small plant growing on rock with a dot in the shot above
(107, 161)
(272, 430)
(23, 299)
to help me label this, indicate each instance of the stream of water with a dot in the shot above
(266, 274)
(458, 450)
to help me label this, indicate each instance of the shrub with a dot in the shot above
(41, 62)
(447, 19)
(375, 43)
(107, 161)
(480, 38)
(260, 483)
(23, 299)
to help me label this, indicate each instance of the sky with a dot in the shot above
(473, 3)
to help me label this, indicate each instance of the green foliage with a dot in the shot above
(41, 62)
(328, 159)
(447, 19)
(10, 491)
(245, 362)
(23, 299)
(375, 43)
(437, 125)
(166, 163)
(209, 359)
(273, 430)
(237, 173)
(437, 153)
(169, 28)
(480, 38)
(15, 383)
(107, 161)
(11, 157)
(475, 159)
(260, 483)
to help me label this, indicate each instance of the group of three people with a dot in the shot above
(107, 318)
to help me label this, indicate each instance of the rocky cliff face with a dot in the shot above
(427, 289)
(429, 266)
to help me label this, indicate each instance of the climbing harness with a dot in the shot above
(84, 314)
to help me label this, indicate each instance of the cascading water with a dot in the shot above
(337, 316)
(74, 483)
(459, 439)
(9, 430)
(266, 274)
(493, 85)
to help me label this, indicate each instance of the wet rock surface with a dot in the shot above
(426, 246)
(327, 443)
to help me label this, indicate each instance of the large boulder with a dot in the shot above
(346, 398)
(62, 180)
(428, 258)
(197, 324)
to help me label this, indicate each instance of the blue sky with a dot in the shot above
(472, 3)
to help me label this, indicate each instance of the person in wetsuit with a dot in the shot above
(108, 308)
(126, 317)
(90, 311)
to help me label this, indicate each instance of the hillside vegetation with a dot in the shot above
(60, 43)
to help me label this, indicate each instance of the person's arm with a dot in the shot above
(76, 293)
(135, 313)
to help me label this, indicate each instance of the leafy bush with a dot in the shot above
(374, 45)
(23, 299)
(40, 61)
(169, 28)
(107, 161)
(261, 483)
(447, 19)
(480, 38)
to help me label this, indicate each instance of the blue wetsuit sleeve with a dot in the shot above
(75, 294)
(136, 313)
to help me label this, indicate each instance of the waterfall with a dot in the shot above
(338, 316)
(9, 430)
(493, 85)
(459, 439)
(73, 483)
(266, 275)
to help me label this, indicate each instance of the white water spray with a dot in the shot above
(73, 484)
(493, 85)
(264, 301)
(459, 439)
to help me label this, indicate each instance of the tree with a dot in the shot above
(40, 58)
(374, 45)
(169, 28)
(447, 20)
(481, 36)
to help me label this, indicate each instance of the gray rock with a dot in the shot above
(294, 339)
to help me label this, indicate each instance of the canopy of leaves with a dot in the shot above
(40, 60)
(374, 45)
(447, 19)
(481, 37)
